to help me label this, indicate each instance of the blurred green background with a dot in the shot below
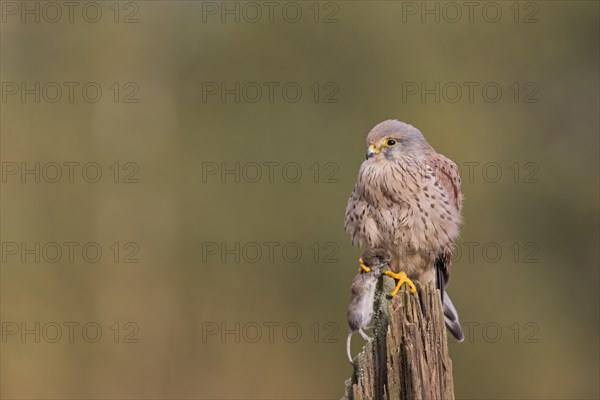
(531, 313)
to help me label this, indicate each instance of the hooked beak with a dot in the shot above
(372, 150)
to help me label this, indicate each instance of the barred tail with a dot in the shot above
(451, 319)
(450, 313)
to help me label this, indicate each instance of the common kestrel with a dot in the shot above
(407, 200)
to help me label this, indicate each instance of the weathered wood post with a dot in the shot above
(408, 357)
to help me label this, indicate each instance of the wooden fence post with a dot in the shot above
(408, 356)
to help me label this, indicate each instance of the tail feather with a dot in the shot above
(440, 282)
(450, 313)
(451, 319)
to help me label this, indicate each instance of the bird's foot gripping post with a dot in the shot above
(408, 357)
(400, 279)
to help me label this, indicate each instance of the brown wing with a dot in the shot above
(448, 175)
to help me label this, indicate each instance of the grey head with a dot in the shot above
(396, 140)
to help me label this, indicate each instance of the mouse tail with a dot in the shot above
(348, 340)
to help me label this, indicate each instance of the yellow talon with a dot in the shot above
(363, 266)
(401, 278)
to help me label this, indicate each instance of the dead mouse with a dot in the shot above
(363, 287)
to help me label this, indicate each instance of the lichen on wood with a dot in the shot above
(407, 359)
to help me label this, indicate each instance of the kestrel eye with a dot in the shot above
(390, 142)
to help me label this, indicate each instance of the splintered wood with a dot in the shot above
(408, 357)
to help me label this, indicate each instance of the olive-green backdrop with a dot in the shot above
(175, 175)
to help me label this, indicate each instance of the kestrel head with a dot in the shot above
(397, 140)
